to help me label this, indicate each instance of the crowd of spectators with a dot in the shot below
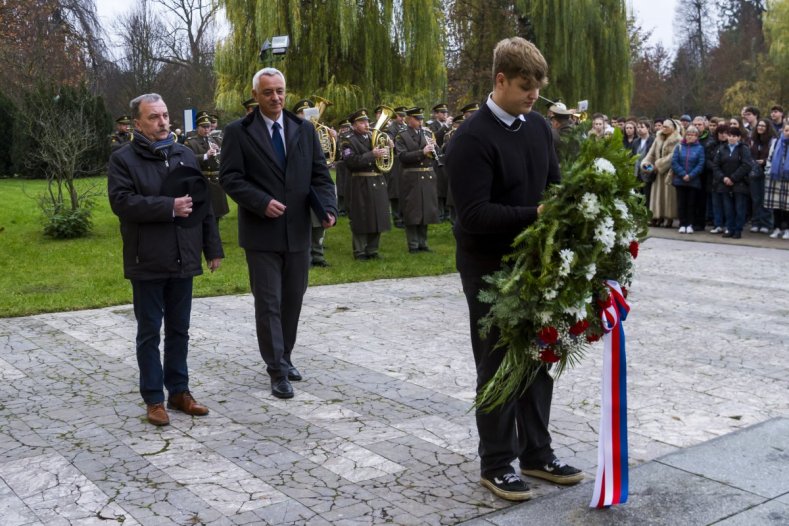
(723, 173)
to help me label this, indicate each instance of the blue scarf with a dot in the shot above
(779, 169)
(158, 148)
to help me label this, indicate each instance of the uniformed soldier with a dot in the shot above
(369, 202)
(439, 125)
(121, 135)
(396, 125)
(317, 252)
(341, 169)
(457, 120)
(468, 109)
(206, 150)
(250, 105)
(416, 150)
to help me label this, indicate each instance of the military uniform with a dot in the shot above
(209, 165)
(418, 184)
(393, 177)
(341, 172)
(119, 138)
(369, 200)
(456, 121)
(439, 130)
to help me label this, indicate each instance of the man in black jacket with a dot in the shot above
(158, 193)
(273, 166)
(500, 161)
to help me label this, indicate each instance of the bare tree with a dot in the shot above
(142, 34)
(190, 31)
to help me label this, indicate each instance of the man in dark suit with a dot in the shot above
(273, 166)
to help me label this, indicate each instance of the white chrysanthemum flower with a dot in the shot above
(545, 317)
(625, 237)
(591, 270)
(621, 207)
(549, 294)
(578, 312)
(604, 166)
(590, 206)
(566, 256)
(605, 234)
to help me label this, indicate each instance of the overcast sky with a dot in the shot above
(652, 14)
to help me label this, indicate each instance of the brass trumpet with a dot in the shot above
(325, 137)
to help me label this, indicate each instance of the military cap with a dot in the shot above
(415, 112)
(469, 107)
(302, 105)
(400, 110)
(214, 117)
(201, 114)
(458, 118)
(378, 108)
(358, 115)
(123, 119)
(559, 108)
(344, 123)
(250, 103)
(441, 107)
(203, 119)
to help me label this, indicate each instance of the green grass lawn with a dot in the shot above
(45, 275)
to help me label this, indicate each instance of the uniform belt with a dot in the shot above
(211, 174)
(417, 169)
(365, 174)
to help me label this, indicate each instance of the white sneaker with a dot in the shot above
(786, 234)
(764, 230)
(754, 229)
(689, 230)
(775, 234)
(716, 230)
(682, 230)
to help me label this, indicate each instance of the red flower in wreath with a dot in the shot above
(633, 248)
(579, 328)
(548, 335)
(624, 292)
(592, 337)
(548, 355)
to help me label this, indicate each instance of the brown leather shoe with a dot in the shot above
(157, 415)
(184, 402)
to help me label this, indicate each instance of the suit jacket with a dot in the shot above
(251, 174)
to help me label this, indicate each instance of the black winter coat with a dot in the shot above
(154, 247)
(735, 165)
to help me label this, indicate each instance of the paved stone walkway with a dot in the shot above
(380, 430)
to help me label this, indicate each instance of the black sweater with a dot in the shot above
(497, 177)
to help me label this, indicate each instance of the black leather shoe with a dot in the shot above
(425, 249)
(281, 388)
(293, 374)
(320, 263)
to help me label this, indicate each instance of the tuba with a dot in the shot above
(381, 140)
(325, 137)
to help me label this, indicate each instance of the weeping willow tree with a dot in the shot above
(351, 52)
(584, 41)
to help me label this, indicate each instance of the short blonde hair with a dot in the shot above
(517, 57)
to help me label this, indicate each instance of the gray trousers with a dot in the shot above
(278, 281)
(416, 236)
(366, 244)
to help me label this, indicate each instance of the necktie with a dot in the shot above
(279, 146)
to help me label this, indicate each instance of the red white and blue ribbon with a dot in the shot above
(611, 483)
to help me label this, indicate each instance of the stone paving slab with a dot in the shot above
(380, 430)
(719, 482)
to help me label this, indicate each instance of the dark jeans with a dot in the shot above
(519, 428)
(735, 207)
(717, 209)
(154, 300)
(760, 217)
(687, 197)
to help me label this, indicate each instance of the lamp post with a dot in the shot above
(272, 51)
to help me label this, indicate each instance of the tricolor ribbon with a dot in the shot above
(611, 483)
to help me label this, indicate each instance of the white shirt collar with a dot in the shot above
(502, 115)
(270, 123)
